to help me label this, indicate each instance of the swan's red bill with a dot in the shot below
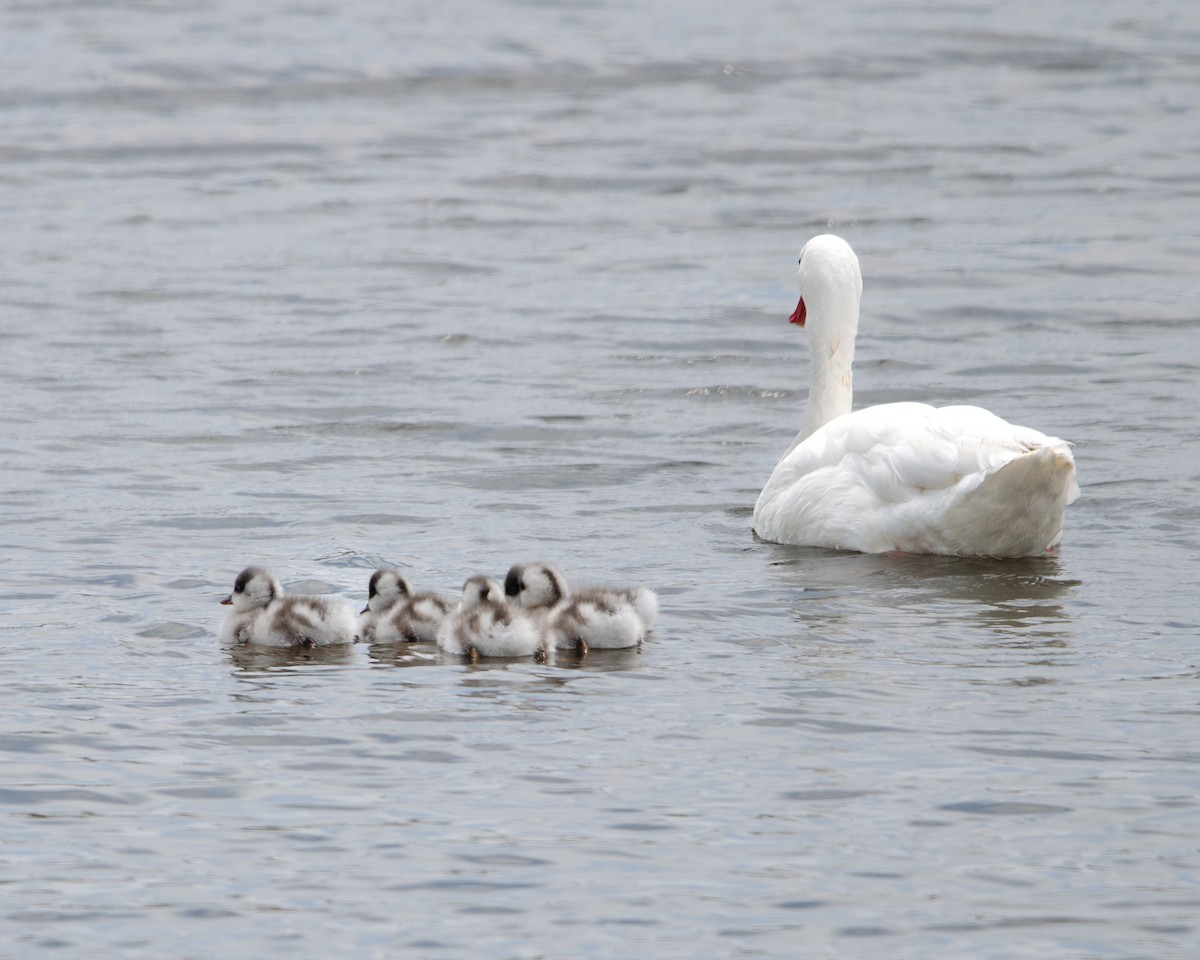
(228, 600)
(800, 313)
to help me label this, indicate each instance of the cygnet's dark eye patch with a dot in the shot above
(240, 584)
(513, 584)
(373, 585)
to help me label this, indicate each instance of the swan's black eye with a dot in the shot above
(242, 580)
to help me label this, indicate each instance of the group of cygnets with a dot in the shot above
(533, 614)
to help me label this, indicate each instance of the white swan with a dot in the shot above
(485, 625)
(956, 480)
(263, 614)
(395, 614)
(601, 618)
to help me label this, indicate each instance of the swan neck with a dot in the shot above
(830, 384)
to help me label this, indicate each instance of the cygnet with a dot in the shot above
(485, 625)
(263, 614)
(395, 614)
(590, 617)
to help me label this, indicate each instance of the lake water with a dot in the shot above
(449, 286)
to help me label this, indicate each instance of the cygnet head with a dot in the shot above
(385, 588)
(830, 282)
(254, 588)
(480, 590)
(535, 585)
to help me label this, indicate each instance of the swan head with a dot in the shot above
(535, 585)
(254, 588)
(385, 588)
(480, 590)
(830, 284)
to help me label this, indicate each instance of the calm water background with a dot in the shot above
(325, 285)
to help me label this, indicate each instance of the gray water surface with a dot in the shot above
(326, 286)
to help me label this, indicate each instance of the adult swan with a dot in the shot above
(953, 480)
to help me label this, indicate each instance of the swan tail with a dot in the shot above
(1017, 511)
(645, 605)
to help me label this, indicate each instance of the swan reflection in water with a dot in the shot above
(427, 655)
(1014, 603)
(403, 654)
(265, 659)
(252, 659)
